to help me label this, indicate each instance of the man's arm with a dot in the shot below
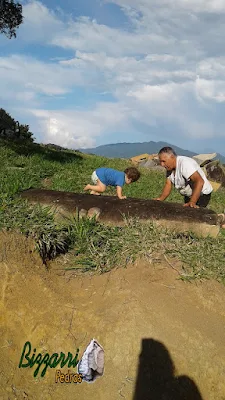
(119, 192)
(198, 185)
(166, 190)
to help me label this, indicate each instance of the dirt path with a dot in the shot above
(179, 329)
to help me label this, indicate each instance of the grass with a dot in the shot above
(92, 246)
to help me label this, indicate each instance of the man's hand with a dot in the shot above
(166, 191)
(191, 204)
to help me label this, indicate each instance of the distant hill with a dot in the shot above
(128, 150)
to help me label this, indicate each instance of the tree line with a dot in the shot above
(11, 129)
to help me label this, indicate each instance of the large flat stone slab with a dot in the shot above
(112, 210)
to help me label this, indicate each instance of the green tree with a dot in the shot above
(6, 121)
(11, 129)
(24, 132)
(10, 17)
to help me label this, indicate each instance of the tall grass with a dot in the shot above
(93, 246)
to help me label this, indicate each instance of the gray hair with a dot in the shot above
(167, 150)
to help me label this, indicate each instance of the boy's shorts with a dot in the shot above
(94, 178)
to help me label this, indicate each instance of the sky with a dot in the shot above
(90, 72)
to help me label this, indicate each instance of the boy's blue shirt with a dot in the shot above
(111, 177)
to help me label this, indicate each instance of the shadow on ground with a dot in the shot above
(156, 378)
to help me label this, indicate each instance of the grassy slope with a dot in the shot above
(91, 245)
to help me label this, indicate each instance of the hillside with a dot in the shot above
(29, 165)
(127, 150)
(144, 290)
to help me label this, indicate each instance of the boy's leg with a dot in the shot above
(95, 193)
(99, 187)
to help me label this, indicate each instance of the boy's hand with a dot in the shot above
(119, 193)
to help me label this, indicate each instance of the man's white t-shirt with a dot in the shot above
(185, 167)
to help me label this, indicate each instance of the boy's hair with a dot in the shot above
(132, 173)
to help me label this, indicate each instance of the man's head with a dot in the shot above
(167, 158)
(131, 175)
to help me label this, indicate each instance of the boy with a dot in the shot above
(104, 177)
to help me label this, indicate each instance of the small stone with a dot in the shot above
(221, 219)
(82, 213)
(94, 212)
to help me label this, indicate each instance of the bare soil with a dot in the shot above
(164, 339)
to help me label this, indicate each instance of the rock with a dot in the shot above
(94, 212)
(109, 209)
(216, 172)
(82, 213)
(152, 164)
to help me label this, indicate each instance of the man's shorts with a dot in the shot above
(94, 178)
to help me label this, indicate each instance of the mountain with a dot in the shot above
(128, 150)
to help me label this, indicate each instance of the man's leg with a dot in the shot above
(204, 200)
(186, 199)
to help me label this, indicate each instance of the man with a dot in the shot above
(187, 176)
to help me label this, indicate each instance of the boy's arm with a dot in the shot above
(119, 192)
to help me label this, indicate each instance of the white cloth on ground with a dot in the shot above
(91, 364)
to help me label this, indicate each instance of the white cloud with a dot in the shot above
(210, 83)
(76, 129)
(211, 90)
(40, 24)
(165, 66)
(158, 93)
(212, 68)
(192, 5)
(121, 75)
(38, 77)
(87, 35)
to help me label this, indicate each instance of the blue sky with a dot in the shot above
(89, 72)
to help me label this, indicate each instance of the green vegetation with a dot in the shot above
(9, 128)
(90, 246)
(10, 17)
